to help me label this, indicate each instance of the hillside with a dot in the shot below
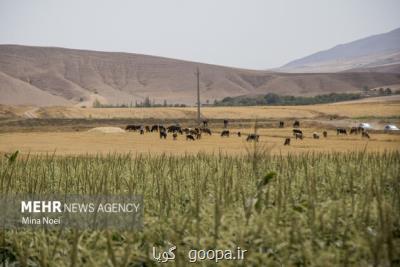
(392, 68)
(46, 76)
(377, 50)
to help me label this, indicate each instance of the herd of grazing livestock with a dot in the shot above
(298, 134)
(192, 134)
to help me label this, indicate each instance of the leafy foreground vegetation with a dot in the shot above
(306, 210)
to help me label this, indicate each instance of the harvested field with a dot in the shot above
(343, 109)
(63, 143)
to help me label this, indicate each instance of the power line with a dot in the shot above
(198, 95)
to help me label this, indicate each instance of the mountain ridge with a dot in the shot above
(46, 76)
(371, 51)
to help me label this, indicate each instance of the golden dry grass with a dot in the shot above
(378, 109)
(63, 143)
(352, 109)
(272, 139)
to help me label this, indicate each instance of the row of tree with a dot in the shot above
(271, 99)
(268, 99)
(146, 103)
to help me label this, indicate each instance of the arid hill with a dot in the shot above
(46, 76)
(373, 51)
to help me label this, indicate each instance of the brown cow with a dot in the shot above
(299, 136)
(365, 134)
(163, 134)
(252, 137)
(341, 131)
(225, 133)
(287, 142)
(206, 130)
(189, 137)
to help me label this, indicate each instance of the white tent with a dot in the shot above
(365, 125)
(390, 127)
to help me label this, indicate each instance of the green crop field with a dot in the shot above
(321, 209)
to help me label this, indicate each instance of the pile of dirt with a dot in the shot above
(107, 130)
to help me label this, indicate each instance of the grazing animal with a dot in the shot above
(141, 130)
(239, 134)
(296, 124)
(189, 137)
(132, 127)
(299, 136)
(198, 136)
(163, 134)
(341, 131)
(174, 135)
(206, 130)
(162, 128)
(281, 124)
(185, 130)
(325, 134)
(154, 128)
(193, 131)
(252, 137)
(287, 142)
(147, 128)
(297, 131)
(225, 124)
(205, 123)
(173, 128)
(315, 135)
(225, 133)
(365, 134)
(354, 130)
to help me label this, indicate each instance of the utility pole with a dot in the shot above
(198, 95)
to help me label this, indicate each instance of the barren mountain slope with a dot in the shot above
(376, 50)
(58, 76)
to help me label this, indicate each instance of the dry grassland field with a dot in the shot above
(44, 135)
(271, 140)
(330, 201)
(374, 107)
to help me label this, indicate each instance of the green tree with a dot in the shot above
(147, 102)
(272, 98)
(96, 103)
